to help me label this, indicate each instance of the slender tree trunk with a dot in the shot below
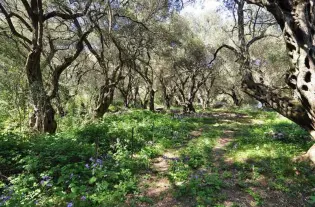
(167, 101)
(167, 98)
(151, 102)
(126, 101)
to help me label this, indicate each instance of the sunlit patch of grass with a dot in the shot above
(258, 152)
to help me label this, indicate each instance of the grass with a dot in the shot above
(105, 163)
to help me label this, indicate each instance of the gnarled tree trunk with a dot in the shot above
(43, 119)
(296, 19)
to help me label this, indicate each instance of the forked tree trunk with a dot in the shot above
(189, 107)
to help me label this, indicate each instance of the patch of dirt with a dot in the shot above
(160, 165)
(157, 187)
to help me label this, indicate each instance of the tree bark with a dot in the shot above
(296, 19)
(151, 102)
(189, 107)
(43, 119)
(104, 100)
(237, 101)
(167, 101)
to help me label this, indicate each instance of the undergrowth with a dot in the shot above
(100, 163)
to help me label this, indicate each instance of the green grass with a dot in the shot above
(100, 163)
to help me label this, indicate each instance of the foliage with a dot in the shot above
(91, 165)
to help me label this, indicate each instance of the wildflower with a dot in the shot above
(99, 161)
(70, 204)
(5, 198)
(186, 158)
(91, 159)
(83, 198)
(46, 177)
(71, 176)
(87, 166)
(49, 185)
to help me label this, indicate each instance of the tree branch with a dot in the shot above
(220, 48)
(11, 26)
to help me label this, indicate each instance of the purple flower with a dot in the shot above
(70, 204)
(42, 182)
(46, 177)
(83, 198)
(87, 166)
(99, 161)
(5, 198)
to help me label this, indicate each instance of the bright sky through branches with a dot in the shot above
(201, 6)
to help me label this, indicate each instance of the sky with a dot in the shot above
(201, 6)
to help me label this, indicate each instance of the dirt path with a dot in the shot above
(234, 194)
(156, 189)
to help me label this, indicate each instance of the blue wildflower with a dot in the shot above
(83, 198)
(87, 166)
(70, 204)
(46, 177)
(99, 161)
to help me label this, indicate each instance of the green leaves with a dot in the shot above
(92, 180)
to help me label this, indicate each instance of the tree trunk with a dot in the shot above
(135, 98)
(43, 119)
(167, 101)
(126, 101)
(151, 102)
(236, 100)
(59, 107)
(104, 100)
(189, 107)
(296, 19)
